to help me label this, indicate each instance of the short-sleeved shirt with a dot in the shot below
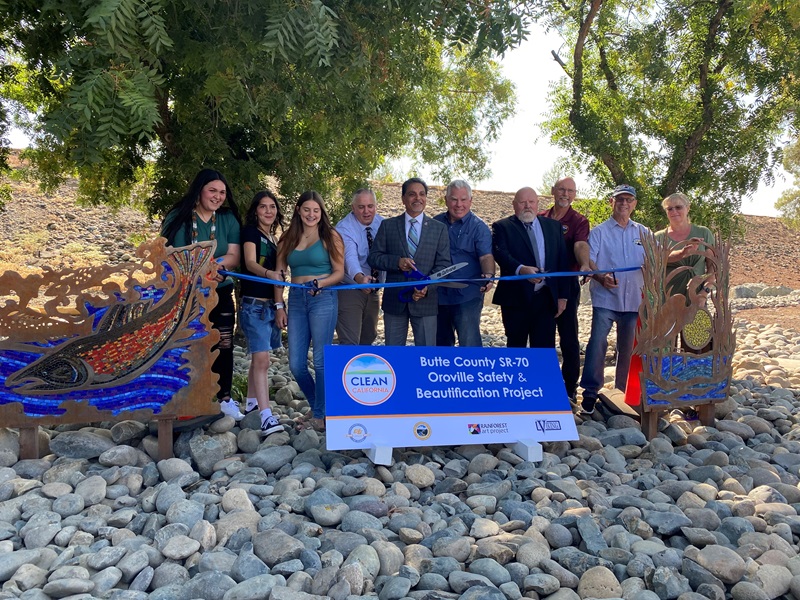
(575, 228)
(266, 256)
(680, 282)
(612, 246)
(227, 232)
(470, 238)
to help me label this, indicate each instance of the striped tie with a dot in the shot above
(413, 238)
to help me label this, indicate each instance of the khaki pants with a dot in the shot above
(357, 323)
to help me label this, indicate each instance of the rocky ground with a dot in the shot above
(698, 512)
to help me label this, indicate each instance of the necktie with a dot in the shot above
(532, 236)
(413, 238)
(370, 239)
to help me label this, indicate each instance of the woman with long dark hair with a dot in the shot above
(261, 314)
(208, 212)
(314, 252)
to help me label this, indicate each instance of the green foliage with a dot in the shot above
(386, 173)
(239, 388)
(5, 188)
(465, 116)
(317, 93)
(5, 195)
(789, 202)
(596, 210)
(550, 177)
(677, 96)
(789, 207)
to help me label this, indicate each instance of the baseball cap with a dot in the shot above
(624, 189)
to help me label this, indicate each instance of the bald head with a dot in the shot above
(564, 192)
(526, 204)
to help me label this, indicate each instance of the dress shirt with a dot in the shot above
(539, 235)
(470, 238)
(418, 225)
(356, 248)
(612, 246)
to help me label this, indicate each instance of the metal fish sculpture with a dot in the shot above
(127, 341)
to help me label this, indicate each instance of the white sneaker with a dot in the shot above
(270, 425)
(231, 408)
(252, 404)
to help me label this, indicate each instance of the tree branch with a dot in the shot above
(164, 129)
(576, 116)
(611, 80)
(678, 168)
(557, 58)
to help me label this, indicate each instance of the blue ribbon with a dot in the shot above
(412, 283)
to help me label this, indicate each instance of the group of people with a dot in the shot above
(309, 248)
(366, 249)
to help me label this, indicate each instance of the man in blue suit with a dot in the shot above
(404, 243)
(527, 244)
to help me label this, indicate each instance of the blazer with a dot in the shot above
(512, 248)
(433, 254)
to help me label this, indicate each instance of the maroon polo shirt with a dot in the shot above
(575, 228)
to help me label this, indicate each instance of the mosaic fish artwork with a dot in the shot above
(102, 349)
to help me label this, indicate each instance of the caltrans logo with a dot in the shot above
(369, 379)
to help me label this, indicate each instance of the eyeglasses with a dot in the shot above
(628, 199)
(679, 207)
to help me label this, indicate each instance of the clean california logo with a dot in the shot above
(369, 379)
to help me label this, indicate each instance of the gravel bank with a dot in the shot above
(697, 513)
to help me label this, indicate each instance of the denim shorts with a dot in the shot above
(258, 324)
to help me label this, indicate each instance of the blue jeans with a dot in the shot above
(312, 320)
(257, 321)
(602, 320)
(462, 319)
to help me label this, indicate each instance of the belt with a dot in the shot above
(256, 301)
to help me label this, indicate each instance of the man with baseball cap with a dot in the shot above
(614, 244)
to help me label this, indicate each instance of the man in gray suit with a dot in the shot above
(405, 243)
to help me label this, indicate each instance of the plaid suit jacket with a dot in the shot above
(433, 254)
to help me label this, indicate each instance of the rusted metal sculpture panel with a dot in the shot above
(109, 343)
(693, 369)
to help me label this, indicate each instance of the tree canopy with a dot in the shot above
(789, 202)
(677, 95)
(313, 92)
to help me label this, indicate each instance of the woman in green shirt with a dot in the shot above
(686, 242)
(696, 238)
(208, 212)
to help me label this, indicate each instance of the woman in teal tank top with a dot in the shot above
(314, 252)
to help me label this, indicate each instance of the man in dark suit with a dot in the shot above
(526, 244)
(404, 243)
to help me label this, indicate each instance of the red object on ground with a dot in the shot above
(633, 387)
